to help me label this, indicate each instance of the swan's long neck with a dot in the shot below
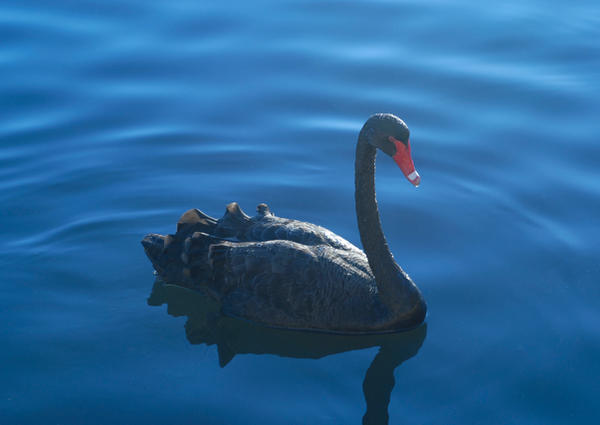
(396, 290)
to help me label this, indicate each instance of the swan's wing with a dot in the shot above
(265, 226)
(277, 228)
(288, 284)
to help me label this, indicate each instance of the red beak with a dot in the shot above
(404, 161)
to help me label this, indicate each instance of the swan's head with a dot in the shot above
(390, 134)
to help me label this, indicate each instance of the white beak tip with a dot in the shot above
(414, 178)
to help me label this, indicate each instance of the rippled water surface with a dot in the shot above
(116, 117)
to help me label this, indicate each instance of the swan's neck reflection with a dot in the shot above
(205, 325)
(378, 384)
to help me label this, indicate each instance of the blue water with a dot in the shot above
(116, 117)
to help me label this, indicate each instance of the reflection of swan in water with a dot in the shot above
(296, 275)
(206, 325)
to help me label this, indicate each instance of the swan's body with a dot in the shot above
(291, 274)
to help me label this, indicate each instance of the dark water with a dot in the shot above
(116, 117)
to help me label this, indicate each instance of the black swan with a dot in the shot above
(291, 274)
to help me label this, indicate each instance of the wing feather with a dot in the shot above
(284, 282)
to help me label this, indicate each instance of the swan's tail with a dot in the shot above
(183, 258)
(165, 254)
(180, 259)
(195, 256)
